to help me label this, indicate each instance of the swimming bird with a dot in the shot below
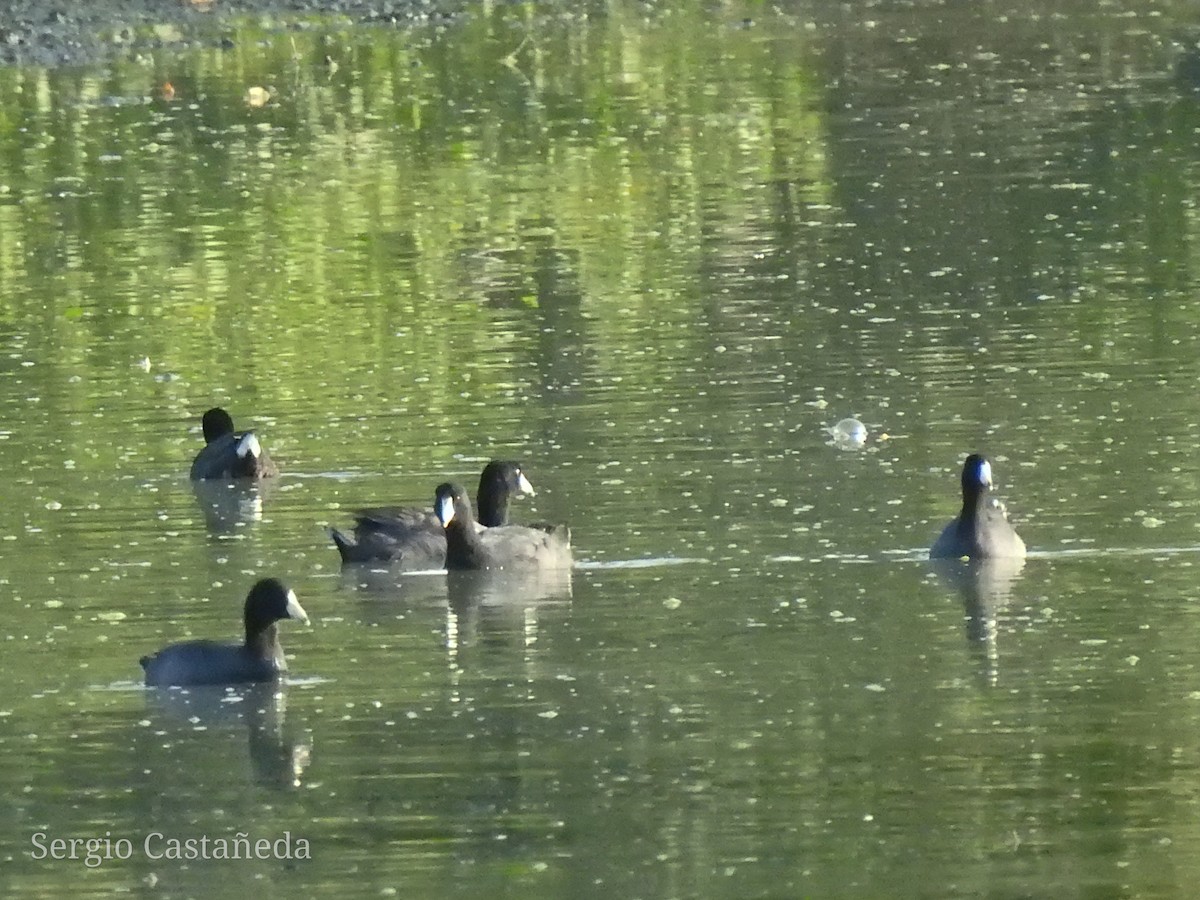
(414, 535)
(982, 529)
(230, 454)
(470, 547)
(258, 658)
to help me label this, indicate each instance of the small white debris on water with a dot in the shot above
(848, 433)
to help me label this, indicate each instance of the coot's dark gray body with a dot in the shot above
(258, 658)
(982, 529)
(228, 453)
(413, 536)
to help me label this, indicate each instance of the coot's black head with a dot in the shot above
(500, 480)
(216, 423)
(269, 601)
(506, 476)
(450, 502)
(976, 475)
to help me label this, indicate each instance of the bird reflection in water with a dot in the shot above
(228, 505)
(278, 757)
(483, 609)
(487, 606)
(985, 586)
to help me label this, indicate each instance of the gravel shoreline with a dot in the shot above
(72, 33)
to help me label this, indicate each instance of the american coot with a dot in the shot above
(507, 546)
(258, 658)
(230, 454)
(414, 535)
(982, 530)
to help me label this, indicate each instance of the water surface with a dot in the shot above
(654, 254)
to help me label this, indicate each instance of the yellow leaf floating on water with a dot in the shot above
(257, 97)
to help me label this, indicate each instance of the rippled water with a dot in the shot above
(656, 255)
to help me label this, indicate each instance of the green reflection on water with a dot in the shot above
(652, 252)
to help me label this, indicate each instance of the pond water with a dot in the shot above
(656, 253)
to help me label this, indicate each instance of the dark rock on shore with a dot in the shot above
(63, 33)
